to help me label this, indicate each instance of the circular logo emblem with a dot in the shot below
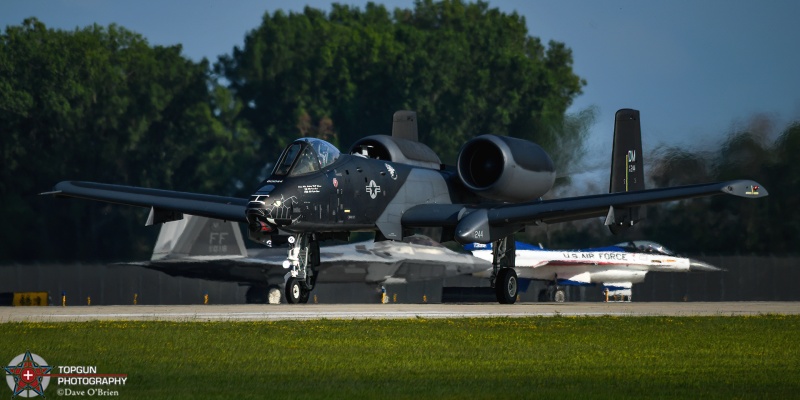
(28, 375)
(335, 183)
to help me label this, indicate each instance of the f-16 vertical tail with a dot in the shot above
(627, 168)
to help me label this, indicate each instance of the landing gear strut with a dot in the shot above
(504, 278)
(303, 264)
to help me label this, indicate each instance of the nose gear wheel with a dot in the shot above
(303, 262)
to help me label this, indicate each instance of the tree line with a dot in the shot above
(757, 150)
(100, 103)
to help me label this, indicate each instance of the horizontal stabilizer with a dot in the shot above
(159, 216)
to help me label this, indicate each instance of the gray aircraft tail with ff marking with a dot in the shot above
(393, 185)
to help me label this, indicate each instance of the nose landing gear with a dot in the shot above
(303, 264)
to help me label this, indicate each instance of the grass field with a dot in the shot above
(565, 357)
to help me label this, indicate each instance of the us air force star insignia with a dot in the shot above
(373, 189)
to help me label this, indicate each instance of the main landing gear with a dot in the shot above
(504, 277)
(303, 264)
(263, 295)
(554, 292)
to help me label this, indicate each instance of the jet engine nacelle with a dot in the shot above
(397, 150)
(505, 169)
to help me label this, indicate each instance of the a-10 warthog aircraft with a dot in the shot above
(394, 184)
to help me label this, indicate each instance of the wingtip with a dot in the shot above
(57, 189)
(744, 188)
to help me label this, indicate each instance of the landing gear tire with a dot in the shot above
(505, 286)
(559, 296)
(274, 295)
(294, 291)
(304, 295)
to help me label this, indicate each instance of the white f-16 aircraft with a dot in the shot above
(199, 247)
(616, 268)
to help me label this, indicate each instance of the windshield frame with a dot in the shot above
(314, 155)
(282, 168)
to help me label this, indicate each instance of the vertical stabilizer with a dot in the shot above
(404, 125)
(627, 172)
(198, 236)
(627, 168)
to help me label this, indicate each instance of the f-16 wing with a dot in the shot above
(486, 224)
(165, 205)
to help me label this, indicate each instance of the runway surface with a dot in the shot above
(385, 311)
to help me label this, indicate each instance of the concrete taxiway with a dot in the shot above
(386, 311)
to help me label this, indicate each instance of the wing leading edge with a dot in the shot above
(165, 205)
(486, 224)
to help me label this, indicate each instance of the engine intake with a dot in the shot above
(505, 169)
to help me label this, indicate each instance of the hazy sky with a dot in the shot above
(695, 69)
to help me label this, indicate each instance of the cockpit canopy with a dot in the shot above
(645, 246)
(305, 156)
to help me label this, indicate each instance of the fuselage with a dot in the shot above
(316, 189)
(351, 193)
(612, 264)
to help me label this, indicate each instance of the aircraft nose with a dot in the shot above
(256, 214)
(271, 208)
(257, 206)
(700, 266)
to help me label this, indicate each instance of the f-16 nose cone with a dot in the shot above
(700, 266)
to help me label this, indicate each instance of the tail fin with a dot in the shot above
(627, 168)
(198, 236)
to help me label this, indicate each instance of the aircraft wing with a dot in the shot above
(486, 224)
(166, 205)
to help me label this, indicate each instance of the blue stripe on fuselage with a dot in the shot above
(488, 246)
(567, 282)
(526, 246)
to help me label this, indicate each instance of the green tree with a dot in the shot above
(101, 104)
(466, 68)
(721, 224)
